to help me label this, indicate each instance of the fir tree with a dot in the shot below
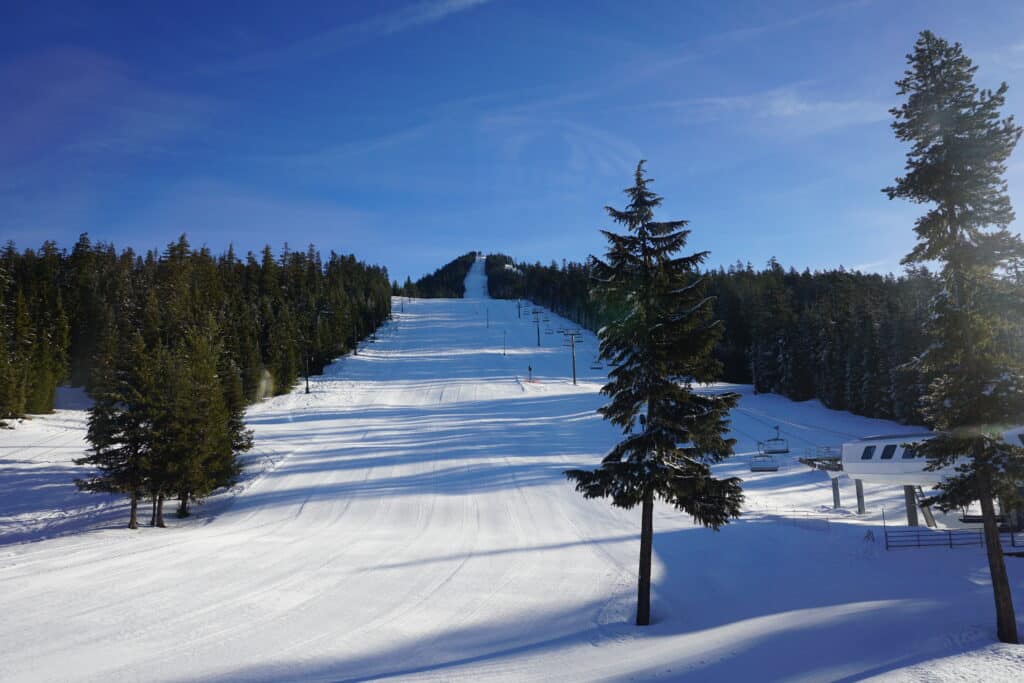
(119, 422)
(658, 349)
(22, 343)
(6, 374)
(206, 432)
(167, 436)
(957, 161)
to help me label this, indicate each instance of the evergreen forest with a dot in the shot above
(844, 337)
(172, 346)
(447, 282)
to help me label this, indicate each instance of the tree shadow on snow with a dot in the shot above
(754, 602)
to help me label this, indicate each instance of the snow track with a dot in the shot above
(412, 521)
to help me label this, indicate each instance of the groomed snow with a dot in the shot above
(409, 520)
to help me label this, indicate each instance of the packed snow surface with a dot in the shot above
(409, 519)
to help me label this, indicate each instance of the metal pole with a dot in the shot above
(488, 318)
(572, 343)
(503, 345)
(538, 330)
(908, 499)
(835, 493)
(860, 496)
(307, 372)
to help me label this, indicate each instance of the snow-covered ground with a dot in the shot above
(409, 520)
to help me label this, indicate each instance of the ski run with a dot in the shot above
(409, 519)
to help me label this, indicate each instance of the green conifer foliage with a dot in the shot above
(120, 420)
(658, 349)
(172, 346)
(959, 148)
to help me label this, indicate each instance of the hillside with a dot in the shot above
(409, 519)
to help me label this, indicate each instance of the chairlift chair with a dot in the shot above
(763, 462)
(776, 444)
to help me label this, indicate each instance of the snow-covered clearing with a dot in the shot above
(409, 519)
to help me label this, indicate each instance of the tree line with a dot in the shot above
(841, 336)
(172, 346)
(447, 282)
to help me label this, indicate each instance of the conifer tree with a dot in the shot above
(165, 435)
(22, 343)
(658, 348)
(6, 375)
(956, 164)
(207, 432)
(240, 438)
(119, 421)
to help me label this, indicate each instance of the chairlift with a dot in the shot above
(776, 444)
(763, 462)
(548, 330)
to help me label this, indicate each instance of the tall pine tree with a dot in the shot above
(956, 164)
(658, 348)
(208, 431)
(120, 421)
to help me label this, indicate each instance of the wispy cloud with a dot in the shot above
(73, 106)
(872, 266)
(745, 32)
(72, 120)
(584, 148)
(354, 150)
(651, 66)
(1010, 57)
(338, 38)
(793, 109)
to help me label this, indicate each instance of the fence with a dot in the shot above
(803, 519)
(916, 537)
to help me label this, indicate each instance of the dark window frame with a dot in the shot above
(868, 453)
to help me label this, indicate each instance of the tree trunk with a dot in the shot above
(643, 596)
(152, 516)
(133, 521)
(1006, 620)
(183, 504)
(160, 512)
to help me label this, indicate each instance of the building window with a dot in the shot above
(868, 452)
(909, 453)
(889, 451)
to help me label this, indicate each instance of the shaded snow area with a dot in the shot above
(409, 520)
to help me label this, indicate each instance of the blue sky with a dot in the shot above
(411, 132)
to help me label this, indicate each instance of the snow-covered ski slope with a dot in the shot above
(409, 520)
